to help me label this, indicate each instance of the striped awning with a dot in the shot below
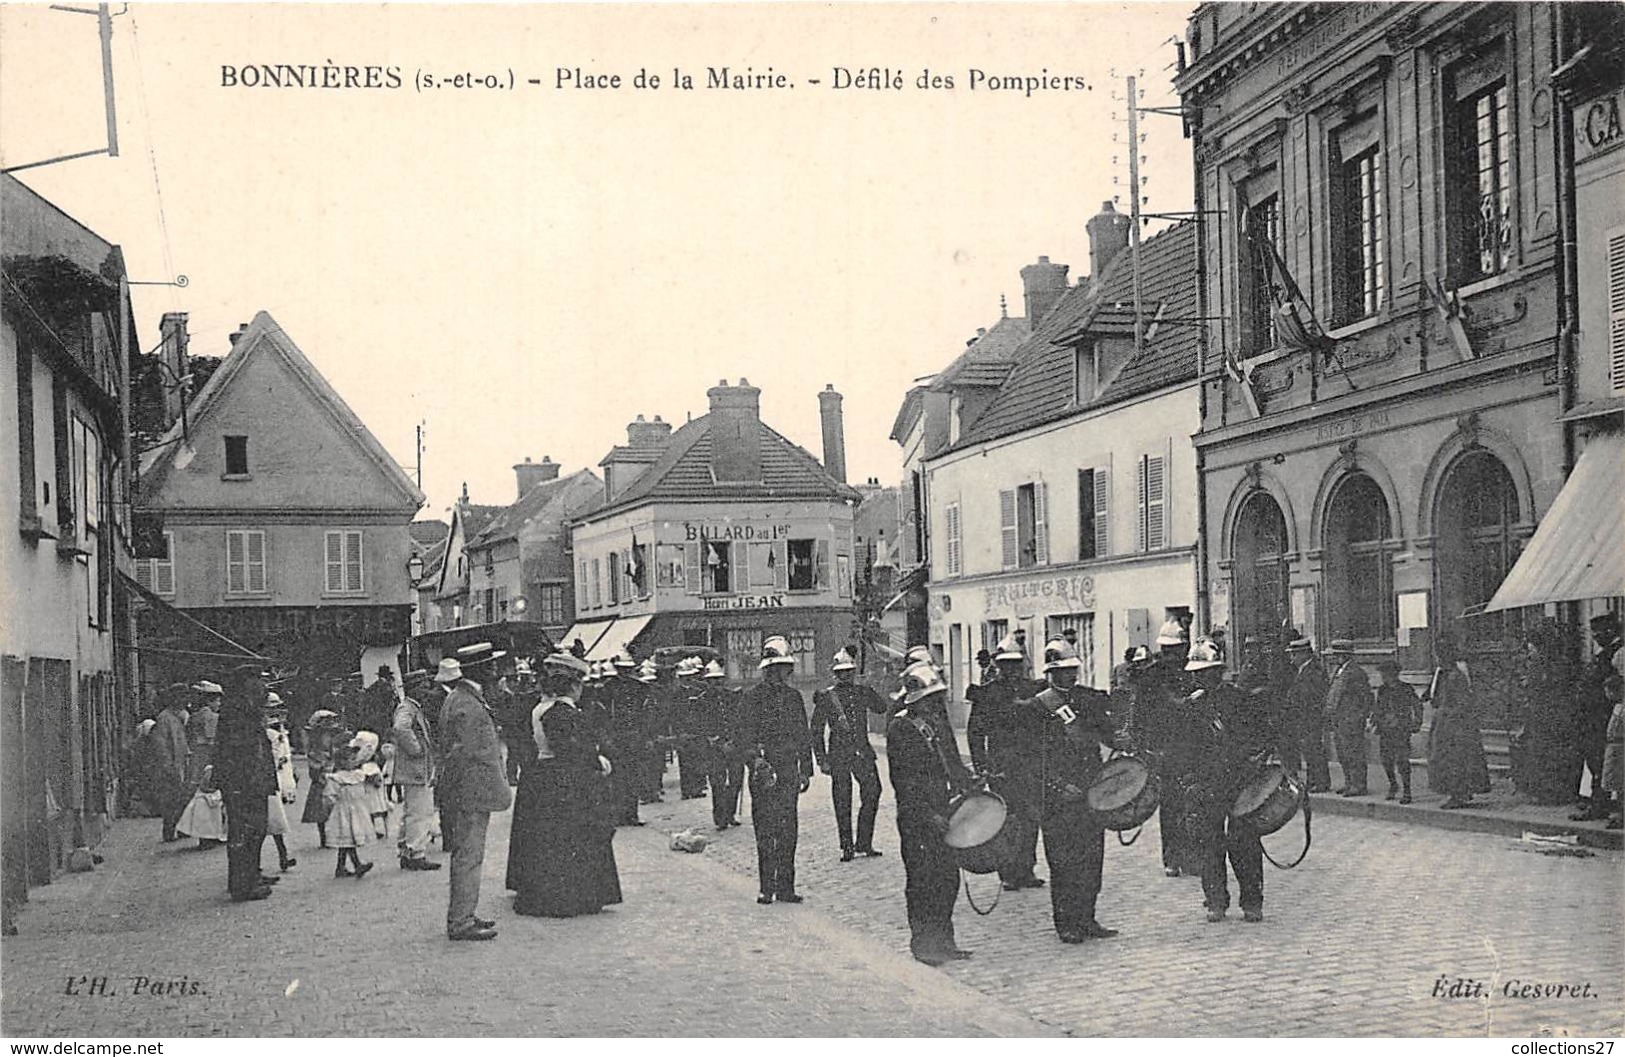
(1578, 552)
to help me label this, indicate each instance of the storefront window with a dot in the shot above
(1358, 585)
(1260, 570)
(1478, 507)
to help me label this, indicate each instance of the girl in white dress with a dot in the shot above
(287, 783)
(349, 826)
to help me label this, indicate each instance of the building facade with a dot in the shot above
(721, 534)
(285, 523)
(66, 645)
(1065, 506)
(519, 563)
(445, 594)
(1378, 251)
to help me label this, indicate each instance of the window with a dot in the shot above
(917, 514)
(597, 583)
(1151, 532)
(743, 649)
(245, 562)
(803, 571)
(1085, 379)
(764, 564)
(343, 552)
(1262, 230)
(1088, 542)
(1024, 537)
(1358, 583)
(158, 574)
(236, 456)
(583, 585)
(670, 570)
(717, 574)
(614, 592)
(1479, 168)
(1477, 546)
(1260, 570)
(499, 610)
(956, 542)
(1616, 309)
(993, 633)
(804, 648)
(1079, 630)
(1359, 282)
(550, 604)
(843, 575)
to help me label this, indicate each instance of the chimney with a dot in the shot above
(642, 434)
(172, 354)
(829, 413)
(530, 474)
(736, 454)
(1108, 235)
(1045, 285)
(237, 335)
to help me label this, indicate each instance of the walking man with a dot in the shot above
(471, 786)
(168, 776)
(1348, 705)
(413, 775)
(846, 756)
(1306, 709)
(778, 745)
(245, 772)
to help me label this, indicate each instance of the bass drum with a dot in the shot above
(977, 831)
(1269, 801)
(1124, 794)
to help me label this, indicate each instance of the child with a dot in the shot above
(349, 822)
(276, 728)
(322, 737)
(1396, 717)
(369, 756)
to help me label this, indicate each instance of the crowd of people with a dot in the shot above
(586, 743)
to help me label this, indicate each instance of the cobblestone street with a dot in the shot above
(1354, 943)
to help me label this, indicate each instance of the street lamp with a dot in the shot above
(414, 568)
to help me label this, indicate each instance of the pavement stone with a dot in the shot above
(1354, 942)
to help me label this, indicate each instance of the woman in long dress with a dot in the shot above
(1456, 764)
(561, 861)
(321, 742)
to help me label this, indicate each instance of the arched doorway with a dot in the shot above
(1259, 554)
(1357, 581)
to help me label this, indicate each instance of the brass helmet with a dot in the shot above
(689, 667)
(714, 670)
(776, 650)
(1172, 633)
(921, 680)
(1008, 649)
(1059, 653)
(842, 662)
(1205, 653)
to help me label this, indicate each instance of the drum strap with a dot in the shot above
(1305, 806)
(965, 880)
(1130, 840)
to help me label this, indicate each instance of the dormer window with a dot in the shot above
(236, 456)
(1085, 373)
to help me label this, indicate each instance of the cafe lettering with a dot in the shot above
(1077, 590)
(1598, 127)
(728, 531)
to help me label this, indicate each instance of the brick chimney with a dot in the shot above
(642, 434)
(237, 335)
(829, 413)
(1108, 235)
(736, 454)
(529, 474)
(172, 354)
(1045, 285)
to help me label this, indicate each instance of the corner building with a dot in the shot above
(1396, 164)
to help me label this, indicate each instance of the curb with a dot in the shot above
(1467, 820)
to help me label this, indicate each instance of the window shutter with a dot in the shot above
(781, 566)
(1007, 528)
(956, 548)
(235, 573)
(821, 564)
(691, 568)
(352, 561)
(1040, 523)
(145, 574)
(1155, 530)
(738, 576)
(163, 569)
(335, 562)
(1103, 496)
(256, 561)
(1616, 309)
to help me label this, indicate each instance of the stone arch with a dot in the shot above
(1471, 437)
(1258, 480)
(1352, 461)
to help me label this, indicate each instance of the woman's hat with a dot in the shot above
(449, 671)
(567, 662)
(365, 743)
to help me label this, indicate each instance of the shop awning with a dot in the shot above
(618, 638)
(1578, 552)
(588, 631)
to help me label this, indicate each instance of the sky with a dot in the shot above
(525, 270)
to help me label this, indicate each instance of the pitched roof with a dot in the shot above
(540, 500)
(265, 337)
(1040, 386)
(986, 361)
(428, 532)
(683, 471)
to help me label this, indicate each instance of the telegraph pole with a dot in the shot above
(1134, 206)
(104, 24)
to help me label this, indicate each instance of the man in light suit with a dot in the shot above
(472, 784)
(414, 775)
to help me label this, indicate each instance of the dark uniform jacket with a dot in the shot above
(994, 736)
(1220, 739)
(844, 710)
(1068, 728)
(925, 768)
(1306, 700)
(630, 714)
(775, 729)
(243, 764)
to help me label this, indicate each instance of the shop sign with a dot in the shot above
(1598, 126)
(747, 602)
(1352, 426)
(729, 530)
(1077, 591)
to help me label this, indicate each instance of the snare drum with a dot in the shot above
(1269, 801)
(1124, 794)
(977, 831)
